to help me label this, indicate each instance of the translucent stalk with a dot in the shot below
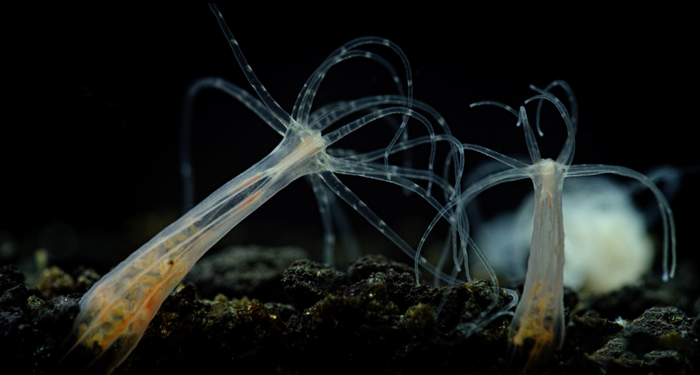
(115, 312)
(538, 324)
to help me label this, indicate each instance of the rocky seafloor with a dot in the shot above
(253, 310)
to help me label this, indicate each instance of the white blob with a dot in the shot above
(606, 242)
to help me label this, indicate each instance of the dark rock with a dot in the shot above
(658, 342)
(252, 271)
(307, 282)
(374, 319)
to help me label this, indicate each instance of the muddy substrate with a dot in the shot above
(273, 317)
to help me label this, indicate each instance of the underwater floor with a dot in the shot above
(268, 311)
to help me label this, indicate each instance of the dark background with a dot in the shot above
(90, 132)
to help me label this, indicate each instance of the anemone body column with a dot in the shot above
(538, 323)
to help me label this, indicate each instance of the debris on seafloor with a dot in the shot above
(340, 322)
(662, 340)
(244, 270)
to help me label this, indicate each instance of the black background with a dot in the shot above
(94, 95)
